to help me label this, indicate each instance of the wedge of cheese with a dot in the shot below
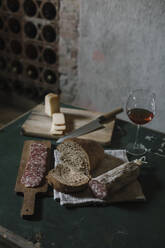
(52, 104)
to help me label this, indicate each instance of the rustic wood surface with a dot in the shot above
(30, 193)
(38, 124)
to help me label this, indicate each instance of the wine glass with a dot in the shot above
(140, 108)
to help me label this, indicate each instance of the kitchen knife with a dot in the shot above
(92, 125)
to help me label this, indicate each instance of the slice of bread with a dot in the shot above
(78, 157)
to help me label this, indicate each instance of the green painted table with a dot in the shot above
(137, 225)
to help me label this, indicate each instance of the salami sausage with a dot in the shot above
(113, 180)
(36, 165)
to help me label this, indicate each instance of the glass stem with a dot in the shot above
(136, 145)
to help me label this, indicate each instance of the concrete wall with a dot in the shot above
(68, 48)
(121, 47)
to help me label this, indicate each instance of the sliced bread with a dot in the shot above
(78, 157)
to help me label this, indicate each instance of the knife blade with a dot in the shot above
(92, 125)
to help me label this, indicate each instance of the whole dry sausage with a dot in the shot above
(113, 180)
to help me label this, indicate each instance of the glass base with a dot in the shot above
(136, 150)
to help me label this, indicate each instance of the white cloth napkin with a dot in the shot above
(131, 193)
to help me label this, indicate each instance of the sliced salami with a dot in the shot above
(99, 189)
(36, 165)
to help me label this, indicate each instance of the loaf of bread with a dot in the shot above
(78, 157)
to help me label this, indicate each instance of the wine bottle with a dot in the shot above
(5, 84)
(32, 72)
(49, 11)
(2, 63)
(31, 51)
(16, 47)
(2, 44)
(50, 77)
(49, 33)
(1, 23)
(30, 8)
(14, 25)
(49, 56)
(30, 30)
(16, 67)
(13, 5)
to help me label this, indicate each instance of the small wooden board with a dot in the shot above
(38, 124)
(30, 193)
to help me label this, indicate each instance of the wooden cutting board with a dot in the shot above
(30, 193)
(38, 124)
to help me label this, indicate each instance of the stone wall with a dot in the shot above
(68, 48)
(108, 48)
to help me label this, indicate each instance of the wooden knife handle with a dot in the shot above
(28, 203)
(110, 116)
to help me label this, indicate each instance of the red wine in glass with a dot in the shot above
(140, 108)
(140, 116)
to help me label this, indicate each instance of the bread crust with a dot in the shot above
(64, 188)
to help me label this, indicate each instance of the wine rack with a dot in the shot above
(29, 36)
